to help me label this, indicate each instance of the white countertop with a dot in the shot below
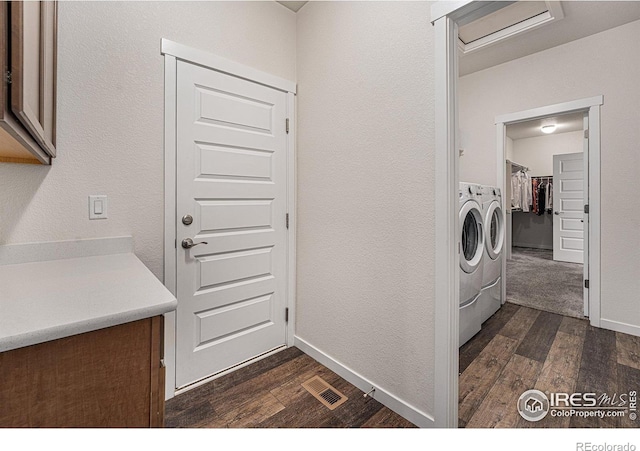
(56, 298)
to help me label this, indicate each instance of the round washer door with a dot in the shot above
(472, 236)
(494, 225)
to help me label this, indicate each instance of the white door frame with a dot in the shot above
(173, 52)
(591, 106)
(444, 16)
(447, 277)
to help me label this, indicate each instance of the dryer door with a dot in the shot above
(494, 224)
(472, 236)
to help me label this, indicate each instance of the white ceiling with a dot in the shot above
(581, 19)
(565, 123)
(293, 6)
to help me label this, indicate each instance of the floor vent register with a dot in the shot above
(324, 392)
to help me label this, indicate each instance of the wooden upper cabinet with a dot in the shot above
(28, 99)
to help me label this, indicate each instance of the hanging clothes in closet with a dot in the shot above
(534, 202)
(549, 198)
(542, 200)
(521, 191)
(542, 195)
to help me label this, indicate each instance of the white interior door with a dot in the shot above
(231, 179)
(585, 200)
(568, 207)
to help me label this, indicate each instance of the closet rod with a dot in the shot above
(523, 168)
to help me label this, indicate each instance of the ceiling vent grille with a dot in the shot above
(495, 21)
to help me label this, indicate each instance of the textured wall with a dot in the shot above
(599, 64)
(365, 191)
(537, 153)
(111, 117)
(509, 148)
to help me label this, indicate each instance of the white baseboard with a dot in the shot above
(620, 327)
(399, 406)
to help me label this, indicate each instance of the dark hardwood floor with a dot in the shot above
(269, 394)
(520, 348)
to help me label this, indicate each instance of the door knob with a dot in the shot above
(188, 243)
(556, 212)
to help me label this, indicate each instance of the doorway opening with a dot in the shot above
(546, 232)
(551, 183)
(448, 274)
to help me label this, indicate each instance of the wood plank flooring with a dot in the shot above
(520, 348)
(517, 349)
(269, 394)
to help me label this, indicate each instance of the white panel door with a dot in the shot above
(568, 207)
(506, 199)
(585, 200)
(231, 178)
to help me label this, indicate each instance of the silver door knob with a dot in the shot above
(188, 243)
(556, 212)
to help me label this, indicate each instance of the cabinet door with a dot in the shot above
(105, 378)
(33, 69)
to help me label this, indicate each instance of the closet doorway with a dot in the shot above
(547, 160)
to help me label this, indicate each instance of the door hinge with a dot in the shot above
(7, 76)
(586, 283)
(286, 220)
(287, 125)
(586, 208)
(586, 133)
(286, 315)
(175, 243)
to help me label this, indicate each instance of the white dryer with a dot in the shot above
(491, 295)
(471, 258)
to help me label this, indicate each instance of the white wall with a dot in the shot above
(365, 191)
(599, 64)
(537, 153)
(508, 148)
(111, 118)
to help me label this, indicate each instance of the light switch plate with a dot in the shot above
(97, 207)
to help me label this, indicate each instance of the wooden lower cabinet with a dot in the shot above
(110, 377)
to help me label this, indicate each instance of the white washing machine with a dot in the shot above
(471, 258)
(493, 218)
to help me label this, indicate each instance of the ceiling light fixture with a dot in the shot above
(548, 128)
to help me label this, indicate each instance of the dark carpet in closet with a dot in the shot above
(535, 280)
